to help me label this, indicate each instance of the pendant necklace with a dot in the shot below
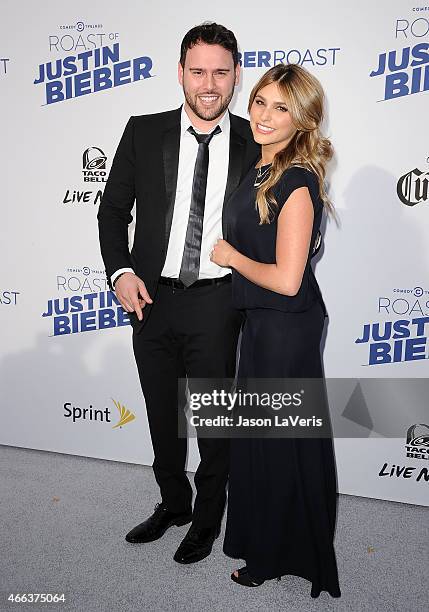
(261, 176)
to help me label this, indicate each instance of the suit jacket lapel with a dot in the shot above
(170, 150)
(236, 158)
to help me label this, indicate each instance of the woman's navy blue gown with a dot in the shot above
(282, 497)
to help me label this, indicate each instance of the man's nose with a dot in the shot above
(209, 81)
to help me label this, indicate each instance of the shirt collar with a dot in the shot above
(185, 122)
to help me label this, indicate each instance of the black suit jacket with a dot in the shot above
(144, 169)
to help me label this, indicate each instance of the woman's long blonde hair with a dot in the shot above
(303, 96)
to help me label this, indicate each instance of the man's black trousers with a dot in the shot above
(189, 333)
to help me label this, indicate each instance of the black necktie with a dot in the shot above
(190, 268)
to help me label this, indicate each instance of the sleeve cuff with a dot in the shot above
(118, 272)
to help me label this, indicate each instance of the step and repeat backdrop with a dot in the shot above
(71, 74)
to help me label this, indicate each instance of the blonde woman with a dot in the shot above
(282, 492)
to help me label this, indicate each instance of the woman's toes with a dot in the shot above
(236, 573)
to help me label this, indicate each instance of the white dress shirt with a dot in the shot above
(216, 185)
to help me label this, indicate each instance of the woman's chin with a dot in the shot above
(259, 138)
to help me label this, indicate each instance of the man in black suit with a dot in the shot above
(179, 302)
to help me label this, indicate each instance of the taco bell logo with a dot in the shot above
(94, 159)
(417, 442)
(94, 165)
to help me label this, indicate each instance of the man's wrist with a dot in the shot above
(118, 277)
(118, 273)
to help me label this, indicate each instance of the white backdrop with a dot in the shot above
(374, 265)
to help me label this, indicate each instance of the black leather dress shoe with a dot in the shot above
(156, 525)
(197, 544)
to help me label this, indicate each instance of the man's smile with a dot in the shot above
(208, 99)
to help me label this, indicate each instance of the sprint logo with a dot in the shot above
(125, 415)
(99, 415)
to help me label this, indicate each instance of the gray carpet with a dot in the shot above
(63, 521)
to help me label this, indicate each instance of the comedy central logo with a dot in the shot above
(417, 442)
(413, 186)
(94, 165)
(80, 26)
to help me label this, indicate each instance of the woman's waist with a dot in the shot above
(248, 295)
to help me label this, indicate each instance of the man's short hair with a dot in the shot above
(211, 34)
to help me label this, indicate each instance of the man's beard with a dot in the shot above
(208, 114)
